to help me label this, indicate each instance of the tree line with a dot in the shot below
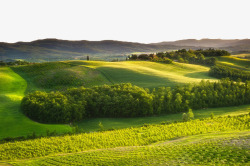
(183, 55)
(222, 71)
(126, 100)
(13, 63)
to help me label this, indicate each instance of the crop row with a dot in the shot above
(219, 151)
(119, 138)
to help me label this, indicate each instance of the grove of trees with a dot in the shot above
(222, 71)
(12, 63)
(126, 100)
(183, 55)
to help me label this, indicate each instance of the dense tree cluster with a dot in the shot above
(125, 100)
(183, 55)
(203, 95)
(122, 100)
(212, 52)
(2, 63)
(151, 57)
(223, 71)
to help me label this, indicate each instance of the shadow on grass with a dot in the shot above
(199, 75)
(120, 75)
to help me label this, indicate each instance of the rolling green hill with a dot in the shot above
(156, 140)
(149, 74)
(12, 122)
(235, 62)
(65, 74)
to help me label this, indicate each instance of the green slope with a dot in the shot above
(58, 76)
(234, 61)
(90, 125)
(65, 74)
(148, 74)
(12, 122)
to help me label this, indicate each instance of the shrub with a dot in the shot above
(184, 117)
(190, 114)
(212, 115)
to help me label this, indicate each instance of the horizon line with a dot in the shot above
(119, 40)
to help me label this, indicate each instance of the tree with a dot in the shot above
(184, 117)
(212, 115)
(101, 126)
(190, 114)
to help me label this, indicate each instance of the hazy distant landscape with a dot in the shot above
(54, 50)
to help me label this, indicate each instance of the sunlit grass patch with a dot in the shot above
(12, 122)
(236, 62)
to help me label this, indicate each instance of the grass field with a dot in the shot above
(236, 62)
(242, 56)
(156, 140)
(12, 122)
(65, 74)
(90, 125)
(148, 74)
(53, 75)
(58, 75)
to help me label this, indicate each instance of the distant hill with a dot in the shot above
(230, 45)
(62, 49)
(54, 49)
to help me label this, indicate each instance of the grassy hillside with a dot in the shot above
(59, 75)
(147, 74)
(157, 140)
(90, 125)
(12, 122)
(242, 56)
(65, 74)
(235, 62)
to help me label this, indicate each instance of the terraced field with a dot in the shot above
(12, 122)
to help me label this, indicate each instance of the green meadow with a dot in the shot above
(20, 80)
(147, 74)
(90, 125)
(12, 122)
(65, 74)
(156, 140)
(235, 61)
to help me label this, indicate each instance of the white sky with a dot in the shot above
(143, 21)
